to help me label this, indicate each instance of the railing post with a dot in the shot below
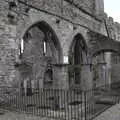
(85, 106)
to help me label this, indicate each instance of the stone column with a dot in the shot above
(108, 67)
(60, 81)
(102, 74)
(61, 76)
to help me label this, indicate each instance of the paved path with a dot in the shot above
(18, 116)
(7, 115)
(112, 113)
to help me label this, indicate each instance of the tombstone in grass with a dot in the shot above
(56, 102)
(22, 91)
(27, 87)
(32, 85)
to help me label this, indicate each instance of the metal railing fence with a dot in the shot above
(58, 103)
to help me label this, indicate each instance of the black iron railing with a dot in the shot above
(58, 103)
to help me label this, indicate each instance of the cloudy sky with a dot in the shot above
(112, 7)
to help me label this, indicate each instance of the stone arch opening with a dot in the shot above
(77, 57)
(98, 45)
(106, 67)
(49, 38)
(40, 51)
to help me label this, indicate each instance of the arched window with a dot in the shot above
(44, 47)
(77, 58)
(39, 45)
(26, 37)
(21, 47)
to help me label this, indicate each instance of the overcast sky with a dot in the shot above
(112, 8)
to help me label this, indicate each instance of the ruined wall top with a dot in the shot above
(67, 9)
(113, 27)
(88, 5)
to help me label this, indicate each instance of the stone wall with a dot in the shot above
(60, 15)
(8, 47)
(66, 17)
(114, 33)
(113, 27)
(68, 11)
(88, 5)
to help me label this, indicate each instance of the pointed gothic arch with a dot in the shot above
(50, 36)
(41, 49)
(77, 54)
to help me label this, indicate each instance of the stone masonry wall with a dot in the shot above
(52, 11)
(8, 47)
(114, 33)
(88, 5)
(67, 10)
(113, 28)
(62, 15)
